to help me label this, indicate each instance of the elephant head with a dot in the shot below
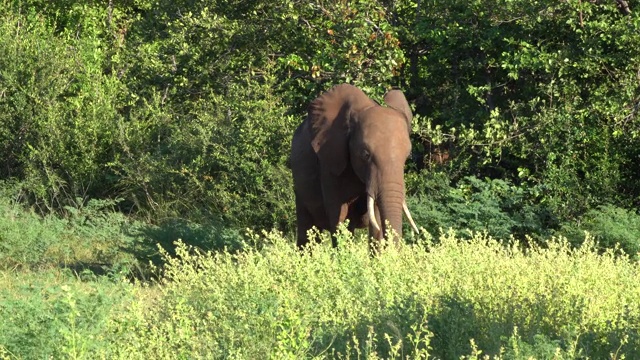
(360, 149)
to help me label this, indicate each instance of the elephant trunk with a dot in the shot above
(390, 204)
(386, 203)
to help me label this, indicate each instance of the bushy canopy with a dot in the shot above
(183, 108)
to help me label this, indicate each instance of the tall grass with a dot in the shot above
(58, 315)
(91, 236)
(437, 299)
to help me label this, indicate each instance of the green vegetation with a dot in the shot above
(127, 125)
(186, 109)
(442, 299)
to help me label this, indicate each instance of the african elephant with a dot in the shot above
(347, 160)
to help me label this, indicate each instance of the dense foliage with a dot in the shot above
(185, 109)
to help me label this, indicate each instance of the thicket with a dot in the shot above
(447, 299)
(526, 111)
(95, 239)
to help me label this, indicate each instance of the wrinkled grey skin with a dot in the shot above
(348, 148)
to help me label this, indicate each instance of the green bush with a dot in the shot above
(496, 207)
(25, 237)
(58, 108)
(540, 93)
(95, 238)
(225, 160)
(612, 227)
(177, 108)
(92, 236)
(185, 109)
(219, 88)
(56, 315)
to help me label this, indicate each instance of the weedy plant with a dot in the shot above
(446, 299)
(56, 314)
(92, 236)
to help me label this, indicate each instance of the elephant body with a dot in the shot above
(347, 159)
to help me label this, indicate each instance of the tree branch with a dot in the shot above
(623, 6)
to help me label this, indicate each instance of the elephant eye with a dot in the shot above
(366, 155)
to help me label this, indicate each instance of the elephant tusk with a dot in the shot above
(372, 213)
(408, 214)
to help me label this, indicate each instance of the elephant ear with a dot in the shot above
(329, 118)
(395, 99)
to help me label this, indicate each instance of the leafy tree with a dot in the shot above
(224, 85)
(58, 108)
(186, 109)
(539, 92)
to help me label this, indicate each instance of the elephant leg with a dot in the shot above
(352, 224)
(304, 223)
(336, 213)
(308, 217)
(358, 214)
(355, 221)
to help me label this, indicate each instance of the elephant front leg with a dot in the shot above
(337, 213)
(304, 223)
(307, 217)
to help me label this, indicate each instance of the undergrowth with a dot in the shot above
(90, 237)
(446, 298)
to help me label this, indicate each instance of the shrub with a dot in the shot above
(448, 299)
(58, 107)
(612, 227)
(224, 160)
(495, 206)
(54, 314)
(25, 237)
(91, 235)
(540, 92)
